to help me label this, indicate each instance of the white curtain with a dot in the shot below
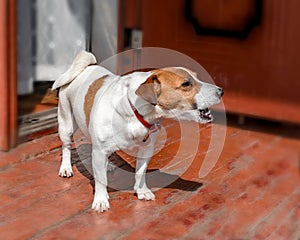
(62, 29)
(51, 32)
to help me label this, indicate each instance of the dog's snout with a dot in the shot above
(220, 92)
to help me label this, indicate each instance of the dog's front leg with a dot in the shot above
(99, 161)
(144, 156)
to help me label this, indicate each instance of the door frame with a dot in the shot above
(8, 74)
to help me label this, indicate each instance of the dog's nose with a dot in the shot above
(220, 92)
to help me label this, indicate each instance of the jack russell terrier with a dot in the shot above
(120, 112)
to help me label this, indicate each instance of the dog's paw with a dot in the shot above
(100, 205)
(65, 171)
(145, 195)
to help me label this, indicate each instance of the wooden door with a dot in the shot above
(8, 96)
(250, 48)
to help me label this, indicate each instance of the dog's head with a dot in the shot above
(178, 93)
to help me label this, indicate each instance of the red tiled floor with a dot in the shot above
(253, 191)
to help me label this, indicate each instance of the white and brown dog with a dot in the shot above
(119, 112)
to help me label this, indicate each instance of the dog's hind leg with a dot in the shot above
(66, 128)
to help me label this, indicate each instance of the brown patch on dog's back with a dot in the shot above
(90, 97)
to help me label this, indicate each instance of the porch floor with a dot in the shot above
(253, 191)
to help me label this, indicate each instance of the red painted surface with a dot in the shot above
(12, 78)
(8, 95)
(252, 193)
(4, 105)
(263, 67)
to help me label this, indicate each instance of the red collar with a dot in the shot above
(151, 127)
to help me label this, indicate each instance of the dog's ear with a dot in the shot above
(150, 89)
(194, 74)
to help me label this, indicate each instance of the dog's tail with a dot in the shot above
(81, 61)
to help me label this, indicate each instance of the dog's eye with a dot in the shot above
(186, 84)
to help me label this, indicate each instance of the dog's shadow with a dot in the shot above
(121, 174)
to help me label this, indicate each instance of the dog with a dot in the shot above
(121, 112)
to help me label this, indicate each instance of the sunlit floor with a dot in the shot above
(252, 192)
(41, 99)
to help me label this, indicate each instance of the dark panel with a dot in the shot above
(230, 18)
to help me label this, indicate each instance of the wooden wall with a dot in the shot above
(258, 68)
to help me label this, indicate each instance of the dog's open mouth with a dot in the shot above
(205, 114)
